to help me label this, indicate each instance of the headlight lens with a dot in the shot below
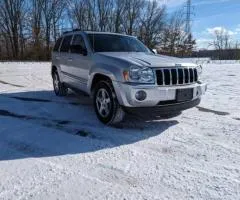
(141, 75)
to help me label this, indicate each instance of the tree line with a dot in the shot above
(29, 28)
(223, 47)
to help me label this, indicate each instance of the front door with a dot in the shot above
(79, 62)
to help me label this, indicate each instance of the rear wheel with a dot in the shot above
(59, 87)
(106, 104)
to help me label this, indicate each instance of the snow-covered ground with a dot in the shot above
(55, 148)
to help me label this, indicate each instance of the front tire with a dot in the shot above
(59, 87)
(106, 104)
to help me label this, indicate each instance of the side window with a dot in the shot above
(78, 40)
(78, 45)
(66, 44)
(57, 45)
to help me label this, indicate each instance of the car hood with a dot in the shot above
(148, 59)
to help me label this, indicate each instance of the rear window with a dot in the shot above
(57, 45)
(66, 44)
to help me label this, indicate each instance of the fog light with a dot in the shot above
(141, 95)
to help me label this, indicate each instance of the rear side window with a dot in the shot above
(66, 44)
(57, 45)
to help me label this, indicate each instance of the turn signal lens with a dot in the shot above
(126, 75)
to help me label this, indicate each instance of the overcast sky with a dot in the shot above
(211, 15)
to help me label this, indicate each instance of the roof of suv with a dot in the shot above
(95, 32)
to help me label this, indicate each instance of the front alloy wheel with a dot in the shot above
(106, 104)
(103, 102)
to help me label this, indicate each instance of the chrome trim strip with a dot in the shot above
(162, 70)
(170, 73)
(183, 75)
(75, 77)
(178, 76)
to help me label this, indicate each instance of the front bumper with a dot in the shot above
(162, 110)
(155, 94)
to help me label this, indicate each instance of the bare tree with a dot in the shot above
(175, 40)
(172, 33)
(152, 23)
(221, 41)
(52, 11)
(78, 11)
(104, 8)
(36, 15)
(28, 28)
(118, 14)
(11, 19)
(58, 10)
(132, 17)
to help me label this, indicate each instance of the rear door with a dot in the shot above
(56, 54)
(65, 57)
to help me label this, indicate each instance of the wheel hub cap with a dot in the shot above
(103, 102)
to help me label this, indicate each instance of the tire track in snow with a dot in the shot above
(29, 99)
(212, 111)
(7, 83)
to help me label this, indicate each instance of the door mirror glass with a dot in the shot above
(154, 51)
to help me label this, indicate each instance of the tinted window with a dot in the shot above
(57, 45)
(66, 44)
(115, 43)
(78, 45)
(78, 40)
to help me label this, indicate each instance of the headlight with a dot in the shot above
(140, 75)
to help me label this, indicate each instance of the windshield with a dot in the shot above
(116, 43)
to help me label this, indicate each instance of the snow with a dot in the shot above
(55, 148)
(202, 61)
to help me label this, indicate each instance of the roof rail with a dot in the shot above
(77, 29)
(74, 30)
(65, 32)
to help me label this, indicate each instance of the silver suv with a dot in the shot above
(123, 76)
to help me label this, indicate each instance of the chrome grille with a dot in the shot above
(176, 76)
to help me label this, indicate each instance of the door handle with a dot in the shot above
(57, 57)
(70, 59)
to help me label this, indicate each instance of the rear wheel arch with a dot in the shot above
(54, 68)
(59, 87)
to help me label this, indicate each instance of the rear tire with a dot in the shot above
(106, 104)
(59, 88)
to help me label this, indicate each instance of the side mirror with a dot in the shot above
(154, 51)
(84, 52)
